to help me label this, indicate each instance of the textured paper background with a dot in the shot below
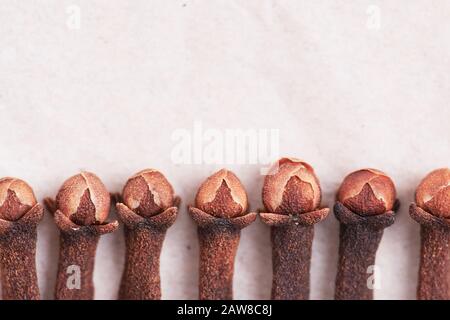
(349, 84)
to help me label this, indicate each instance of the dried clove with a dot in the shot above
(81, 208)
(19, 215)
(366, 202)
(432, 212)
(149, 208)
(220, 213)
(291, 197)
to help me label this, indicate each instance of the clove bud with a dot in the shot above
(222, 196)
(291, 188)
(367, 192)
(16, 198)
(84, 199)
(433, 193)
(148, 193)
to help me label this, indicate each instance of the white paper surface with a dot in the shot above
(102, 85)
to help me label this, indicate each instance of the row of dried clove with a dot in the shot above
(365, 205)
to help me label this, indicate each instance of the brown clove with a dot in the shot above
(292, 196)
(432, 212)
(365, 206)
(82, 205)
(149, 208)
(19, 217)
(220, 212)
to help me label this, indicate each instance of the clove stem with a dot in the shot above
(144, 238)
(357, 251)
(78, 245)
(18, 256)
(292, 237)
(76, 266)
(291, 259)
(218, 247)
(434, 268)
(218, 240)
(360, 237)
(434, 276)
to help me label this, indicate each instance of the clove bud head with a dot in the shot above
(84, 199)
(291, 187)
(16, 198)
(148, 193)
(367, 192)
(433, 193)
(222, 195)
